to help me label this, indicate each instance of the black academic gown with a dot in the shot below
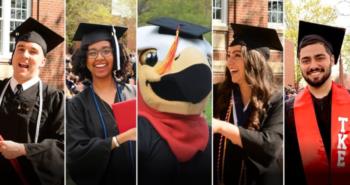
(259, 161)
(43, 164)
(90, 159)
(294, 171)
(157, 165)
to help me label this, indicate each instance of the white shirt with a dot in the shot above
(26, 85)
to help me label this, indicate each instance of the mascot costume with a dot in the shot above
(174, 81)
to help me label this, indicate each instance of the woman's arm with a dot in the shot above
(228, 130)
(129, 135)
(261, 146)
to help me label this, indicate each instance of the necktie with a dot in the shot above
(19, 89)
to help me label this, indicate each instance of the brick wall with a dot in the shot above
(51, 13)
(289, 77)
(253, 12)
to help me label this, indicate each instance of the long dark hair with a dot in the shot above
(79, 67)
(259, 77)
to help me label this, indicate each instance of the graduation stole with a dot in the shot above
(317, 168)
(17, 167)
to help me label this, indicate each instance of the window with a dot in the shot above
(12, 14)
(219, 11)
(19, 14)
(275, 11)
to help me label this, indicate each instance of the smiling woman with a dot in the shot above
(100, 61)
(94, 143)
(248, 122)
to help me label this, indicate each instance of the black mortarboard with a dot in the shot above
(255, 37)
(332, 35)
(187, 30)
(89, 33)
(33, 31)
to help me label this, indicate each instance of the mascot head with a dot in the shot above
(174, 71)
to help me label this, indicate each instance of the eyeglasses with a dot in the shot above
(105, 52)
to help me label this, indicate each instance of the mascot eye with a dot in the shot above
(149, 57)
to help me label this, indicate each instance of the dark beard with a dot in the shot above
(319, 82)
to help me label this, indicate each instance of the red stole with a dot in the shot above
(318, 170)
(185, 134)
(18, 168)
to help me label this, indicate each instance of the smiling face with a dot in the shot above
(27, 60)
(315, 64)
(100, 60)
(235, 64)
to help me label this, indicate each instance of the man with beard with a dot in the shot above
(317, 146)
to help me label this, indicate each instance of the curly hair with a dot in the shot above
(259, 77)
(80, 69)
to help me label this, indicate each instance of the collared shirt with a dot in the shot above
(26, 85)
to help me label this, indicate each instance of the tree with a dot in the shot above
(345, 53)
(98, 11)
(195, 11)
(343, 10)
(311, 11)
(85, 11)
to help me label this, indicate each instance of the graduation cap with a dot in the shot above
(187, 30)
(331, 36)
(255, 37)
(33, 31)
(258, 38)
(89, 33)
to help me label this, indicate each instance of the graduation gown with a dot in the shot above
(90, 159)
(157, 165)
(259, 161)
(294, 170)
(44, 162)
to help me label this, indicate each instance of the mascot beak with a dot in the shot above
(165, 66)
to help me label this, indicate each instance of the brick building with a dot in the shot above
(50, 13)
(263, 13)
(289, 71)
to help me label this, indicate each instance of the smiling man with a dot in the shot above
(317, 143)
(31, 113)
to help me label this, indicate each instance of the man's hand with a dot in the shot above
(12, 150)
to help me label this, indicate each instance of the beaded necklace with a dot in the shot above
(222, 147)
